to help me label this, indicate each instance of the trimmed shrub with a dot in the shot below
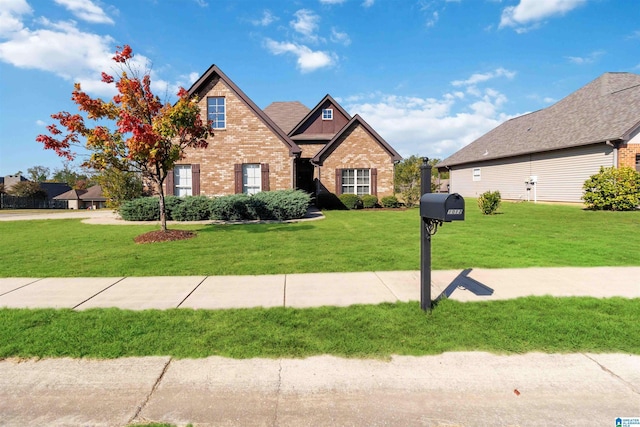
(329, 201)
(231, 208)
(280, 205)
(141, 209)
(369, 201)
(192, 208)
(489, 202)
(171, 203)
(351, 201)
(390, 202)
(613, 189)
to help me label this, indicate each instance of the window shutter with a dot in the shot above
(338, 182)
(170, 186)
(195, 180)
(264, 171)
(237, 172)
(374, 181)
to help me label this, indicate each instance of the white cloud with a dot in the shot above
(338, 37)
(479, 78)
(589, 59)
(368, 3)
(62, 49)
(433, 19)
(86, 10)
(307, 59)
(11, 12)
(267, 19)
(41, 123)
(430, 126)
(306, 23)
(529, 14)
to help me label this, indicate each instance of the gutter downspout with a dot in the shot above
(615, 152)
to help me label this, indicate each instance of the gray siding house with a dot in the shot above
(548, 154)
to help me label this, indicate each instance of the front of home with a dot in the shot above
(547, 155)
(284, 146)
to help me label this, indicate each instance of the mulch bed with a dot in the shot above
(164, 236)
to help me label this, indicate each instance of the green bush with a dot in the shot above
(277, 205)
(280, 205)
(231, 208)
(351, 201)
(369, 201)
(141, 209)
(489, 202)
(171, 203)
(390, 202)
(192, 208)
(328, 201)
(613, 189)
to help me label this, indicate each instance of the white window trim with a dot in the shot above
(476, 174)
(355, 181)
(224, 104)
(177, 183)
(245, 178)
(329, 112)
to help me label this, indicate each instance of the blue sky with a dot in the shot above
(429, 76)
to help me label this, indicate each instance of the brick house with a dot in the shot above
(548, 154)
(284, 146)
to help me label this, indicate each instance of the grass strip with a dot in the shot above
(544, 324)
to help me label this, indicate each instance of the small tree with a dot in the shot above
(149, 137)
(27, 189)
(118, 186)
(489, 202)
(614, 189)
(407, 178)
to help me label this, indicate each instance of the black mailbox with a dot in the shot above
(442, 207)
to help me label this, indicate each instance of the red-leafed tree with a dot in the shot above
(148, 136)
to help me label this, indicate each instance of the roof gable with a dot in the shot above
(213, 75)
(606, 109)
(336, 140)
(312, 126)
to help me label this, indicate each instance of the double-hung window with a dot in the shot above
(251, 178)
(356, 181)
(476, 174)
(182, 180)
(216, 112)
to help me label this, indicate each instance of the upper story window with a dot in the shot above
(216, 112)
(327, 114)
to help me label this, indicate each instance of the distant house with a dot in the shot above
(551, 152)
(41, 201)
(90, 198)
(284, 146)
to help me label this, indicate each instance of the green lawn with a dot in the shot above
(544, 324)
(522, 235)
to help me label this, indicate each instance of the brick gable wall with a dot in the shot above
(357, 149)
(246, 139)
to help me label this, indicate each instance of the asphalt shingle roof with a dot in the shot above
(607, 109)
(286, 114)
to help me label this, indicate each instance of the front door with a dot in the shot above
(304, 176)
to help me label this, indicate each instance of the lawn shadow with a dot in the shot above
(255, 228)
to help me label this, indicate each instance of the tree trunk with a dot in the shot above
(163, 211)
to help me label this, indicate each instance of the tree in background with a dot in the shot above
(149, 137)
(69, 174)
(38, 173)
(118, 186)
(27, 189)
(407, 178)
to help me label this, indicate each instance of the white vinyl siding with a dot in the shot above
(560, 173)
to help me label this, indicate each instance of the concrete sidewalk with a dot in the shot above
(451, 389)
(308, 290)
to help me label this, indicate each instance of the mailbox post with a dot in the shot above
(434, 210)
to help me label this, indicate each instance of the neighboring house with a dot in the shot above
(285, 146)
(558, 147)
(51, 190)
(91, 198)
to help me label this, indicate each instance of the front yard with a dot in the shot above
(522, 235)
